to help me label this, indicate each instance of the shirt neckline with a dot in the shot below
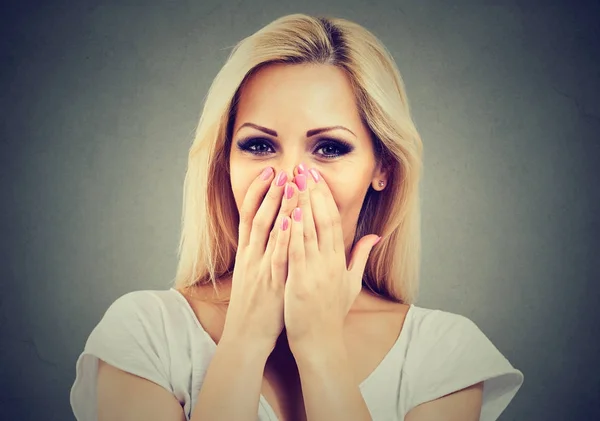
(361, 386)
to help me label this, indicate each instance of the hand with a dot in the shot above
(320, 287)
(255, 313)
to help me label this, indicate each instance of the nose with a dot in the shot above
(294, 168)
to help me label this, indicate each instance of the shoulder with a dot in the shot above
(428, 326)
(148, 308)
(147, 333)
(448, 352)
(137, 319)
(144, 301)
(130, 336)
(437, 335)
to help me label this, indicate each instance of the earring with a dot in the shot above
(381, 183)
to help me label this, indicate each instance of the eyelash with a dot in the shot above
(344, 148)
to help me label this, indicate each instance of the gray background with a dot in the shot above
(99, 103)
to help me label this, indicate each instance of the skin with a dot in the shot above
(291, 100)
(278, 108)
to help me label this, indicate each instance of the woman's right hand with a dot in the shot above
(255, 311)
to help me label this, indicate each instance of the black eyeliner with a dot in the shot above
(344, 147)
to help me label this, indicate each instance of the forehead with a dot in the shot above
(298, 94)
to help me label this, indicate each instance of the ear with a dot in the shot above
(380, 174)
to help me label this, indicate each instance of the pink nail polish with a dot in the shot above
(376, 241)
(285, 223)
(315, 174)
(266, 173)
(297, 214)
(301, 182)
(289, 191)
(281, 179)
(301, 169)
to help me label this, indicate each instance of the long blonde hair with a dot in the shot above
(210, 219)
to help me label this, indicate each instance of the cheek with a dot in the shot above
(239, 186)
(347, 196)
(338, 197)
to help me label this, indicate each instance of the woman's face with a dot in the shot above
(288, 101)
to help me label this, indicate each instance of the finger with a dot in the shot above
(263, 220)
(309, 231)
(296, 255)
(288, 203)
(251, 203)
(360, 254)
(279, 258)
(327, 216)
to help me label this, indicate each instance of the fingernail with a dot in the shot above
(289, 191)
(281, 179)
(315, 174)
(301, 169)
(266, 173)
(376, 241)
(297, 214)
(301, 182)
(285, 223)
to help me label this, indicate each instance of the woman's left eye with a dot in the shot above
(332, 146)
(331, 149)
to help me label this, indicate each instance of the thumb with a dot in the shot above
(360, 254)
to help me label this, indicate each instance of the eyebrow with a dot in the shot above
(309, 133)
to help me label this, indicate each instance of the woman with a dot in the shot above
(305, 154)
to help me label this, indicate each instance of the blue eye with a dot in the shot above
(260, 147)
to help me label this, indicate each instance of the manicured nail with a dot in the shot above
(289, 191)
(281, 179)
(297, 214)
(376, 241)
(301, 169)
(315, 174)
(301, 182)
(266, 173)
(285, 223)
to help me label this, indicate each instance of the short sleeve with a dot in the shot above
(452, 353)
(127, 337)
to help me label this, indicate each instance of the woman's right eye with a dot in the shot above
(254, 146)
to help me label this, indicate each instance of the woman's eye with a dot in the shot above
(329, 147)
(256, 147)
(261, 147)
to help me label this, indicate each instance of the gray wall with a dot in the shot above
(99, 103)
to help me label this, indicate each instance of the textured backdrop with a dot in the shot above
(99, 102)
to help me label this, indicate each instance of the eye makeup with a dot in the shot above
(250, 144)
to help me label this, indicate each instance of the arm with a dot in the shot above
(123, 396)
(464, 405)
(231, 388)
(328, 385)
(230, 391)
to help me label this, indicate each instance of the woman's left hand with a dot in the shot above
(320, 288)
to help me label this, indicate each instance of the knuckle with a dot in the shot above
(245, 217)
(309, 236)
(327, 221)
(258, 224)
(336, 220)
(272, 195)
(303, 199)
(295, 254)
(278, 262)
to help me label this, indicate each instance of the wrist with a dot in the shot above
(319, 352)
(246, 349)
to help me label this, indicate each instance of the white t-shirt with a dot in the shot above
(156, 335)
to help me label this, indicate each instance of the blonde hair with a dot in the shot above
(210, 219)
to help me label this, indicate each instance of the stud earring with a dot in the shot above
(381, 183)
